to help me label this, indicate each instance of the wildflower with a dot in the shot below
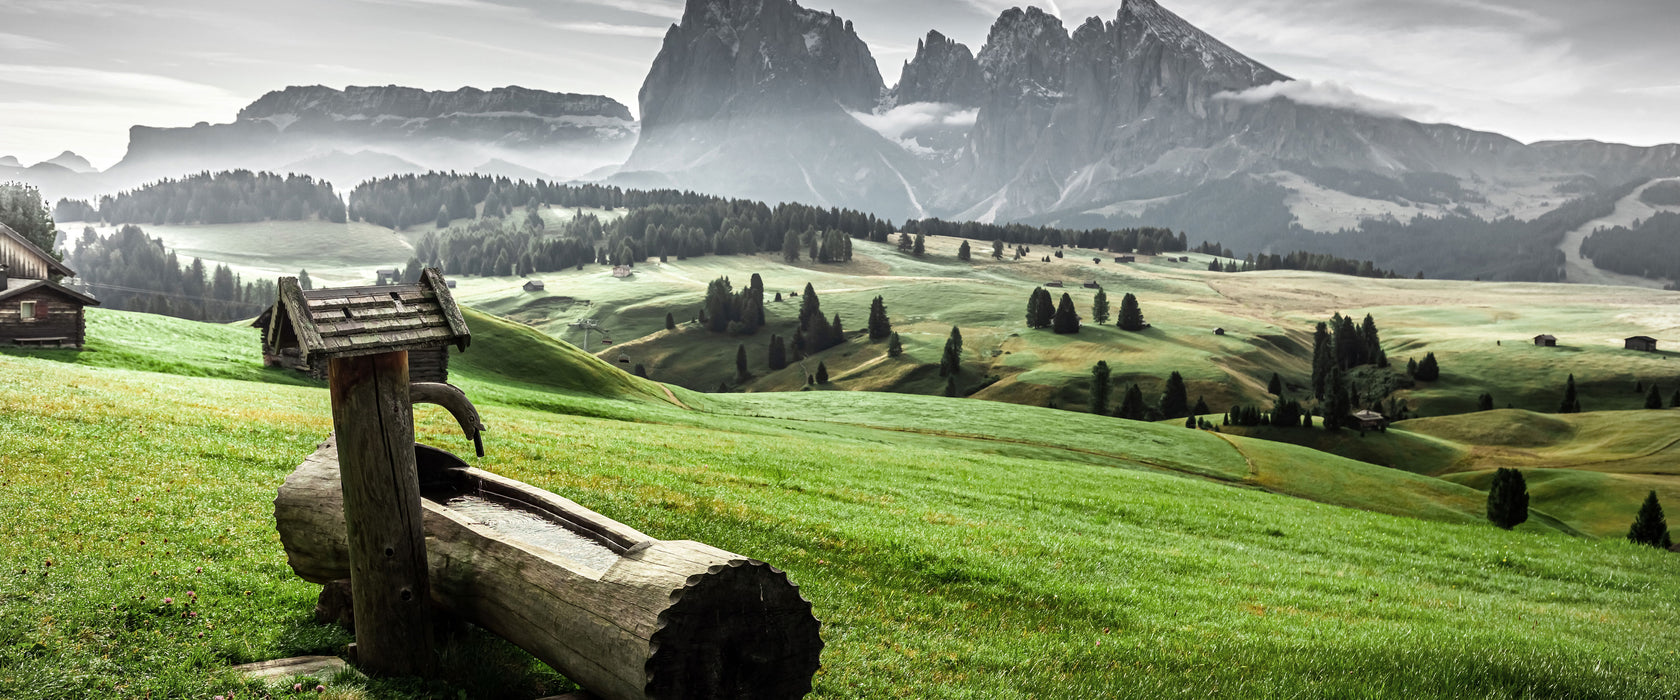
(168, 601)
(297, 687)
(320, 689)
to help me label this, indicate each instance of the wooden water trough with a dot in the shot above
(412, 529)
(622, 614)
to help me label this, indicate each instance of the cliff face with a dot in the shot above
(755, 98)
(732, 59)
(942, 71)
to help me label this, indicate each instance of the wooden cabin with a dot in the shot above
(623, 271)
(1642, 343)
(36, 311)
(343, 319)
(1057, 284)
(534, 286)
(1093, 284)
(1219, 331)
(1125, 259)
(1546, 341)
(1370, 420)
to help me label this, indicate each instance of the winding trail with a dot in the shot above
(1581, 270)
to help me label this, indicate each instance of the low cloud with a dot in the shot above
(1329, 94)
(906, 120)
(608, 29)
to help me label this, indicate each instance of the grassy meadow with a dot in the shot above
(953, 548)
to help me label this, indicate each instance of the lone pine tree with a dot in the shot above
(1066, 320)
(1571, 403)
(822, 373)
(950, 362)
(1484, 402)
(879, 326)
(1650, 527)
(997, 249)
(963, 252)
(741, 374)
(777, 359)
(1653, 400)
(670, 322)
(1175, 400)
(1275, 386)
(1507, 504)
(894, 347)
(1041, 310)
(1100, 388)
(1099, 308)
(1131, 315)
(1323, 358)
(1132, 407)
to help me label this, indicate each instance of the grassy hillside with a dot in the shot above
(1479, 332)
(953, 548)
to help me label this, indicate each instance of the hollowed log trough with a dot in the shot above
(622, 614)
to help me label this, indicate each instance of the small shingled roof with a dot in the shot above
(62, 290)
(352, 321)
(57, 267)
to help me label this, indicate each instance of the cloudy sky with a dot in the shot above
(75, 74)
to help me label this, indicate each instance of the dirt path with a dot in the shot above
(1581, 270)
(1253, 471)
(673, 398)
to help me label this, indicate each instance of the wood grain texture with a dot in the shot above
(380, 488)
(667, 619)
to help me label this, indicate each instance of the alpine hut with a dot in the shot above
(36, 311)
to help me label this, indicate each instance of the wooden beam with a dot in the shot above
(374, 423)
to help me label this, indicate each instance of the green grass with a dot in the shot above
(953, 548)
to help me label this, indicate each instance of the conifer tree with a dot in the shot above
(1484, 402)
(1337, 407)
(670, 322)
(1571, 404)
(641, 370)
(1132, 407)
(1373, 346)
(822, 373)
(777, 359)
(778, 297)
(308, 284)
(879, 326)
(1100, 388)
(1175, 401)
(920, 248)
(809, 306)
(963, 252)
(1201, 408)
(1427, 370)
(1190, 422)
(951, 386)
(1275, 387)
(1411, 367)
(790, 247)
(1323, 358)
(836, 332)
(1131, 315)
(1066, 320)
(997, 249)
(894, 347)
(1099, 308)
(1507, 504)
(1653, 400)
(1650, 528)
(950, 362)
(799, 347)
(741, 374)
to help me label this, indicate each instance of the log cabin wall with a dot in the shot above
(54, 317)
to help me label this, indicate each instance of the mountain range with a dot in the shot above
(1139, 119)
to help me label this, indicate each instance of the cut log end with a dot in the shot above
(739, 631)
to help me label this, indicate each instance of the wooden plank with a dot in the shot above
(322, 667)
(374, 422)
(291, 294)
(434, 281)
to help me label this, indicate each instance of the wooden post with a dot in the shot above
(374, 422)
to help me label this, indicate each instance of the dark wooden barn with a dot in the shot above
(1642, 343)
(35, 311)
(356, 315)
(1546, 341)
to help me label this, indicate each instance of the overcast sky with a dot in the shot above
(75, 74)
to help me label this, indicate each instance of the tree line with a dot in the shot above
(1145, 241)
(229, 197)
(1298, 260)
(23, 211)
(1649, 248)
(130, 271)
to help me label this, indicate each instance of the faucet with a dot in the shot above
(455, 401)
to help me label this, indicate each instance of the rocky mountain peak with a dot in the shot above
(756, 57)
(1145, 26)
(942, 71)
(369, 102)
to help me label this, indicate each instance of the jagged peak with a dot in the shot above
(1140, 20)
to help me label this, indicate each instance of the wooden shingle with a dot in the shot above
(347, 322)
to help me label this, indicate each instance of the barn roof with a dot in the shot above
(52, 263)
(1644, 338)
(352, 321)
(1368, 416)
(46, 285)
(1545, 337)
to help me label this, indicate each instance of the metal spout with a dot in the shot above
(455, 401)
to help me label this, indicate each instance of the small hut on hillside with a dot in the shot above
(35, 311)
(623, 271)
(1546, 341)
(1125, 259)
(1642, 343)
(534, 286)
(1370, 420)
(1056, 284)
